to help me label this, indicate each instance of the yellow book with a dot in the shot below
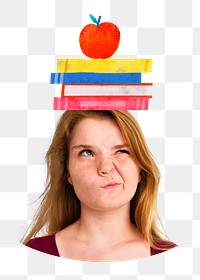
(104, 65)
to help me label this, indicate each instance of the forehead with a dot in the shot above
(96, 129)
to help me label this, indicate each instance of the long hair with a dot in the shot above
(60, 206)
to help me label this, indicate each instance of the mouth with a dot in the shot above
(111, 186)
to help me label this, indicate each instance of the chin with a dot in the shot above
(109, 205)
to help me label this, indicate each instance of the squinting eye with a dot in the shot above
(86, 153)
(123, 152)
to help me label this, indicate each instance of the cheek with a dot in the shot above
(128, 170)
(80, 173)
(86, 190)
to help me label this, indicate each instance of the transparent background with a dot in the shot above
(33, 35)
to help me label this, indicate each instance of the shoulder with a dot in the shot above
(45, 244)
(162, 246)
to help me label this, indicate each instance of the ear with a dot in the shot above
(69, 179)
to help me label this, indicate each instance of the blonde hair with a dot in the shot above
(60, 206)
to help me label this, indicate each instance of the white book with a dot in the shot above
(107, 90)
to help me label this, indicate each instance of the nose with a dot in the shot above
(105, 166)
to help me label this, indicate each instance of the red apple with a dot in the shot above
(99, 40)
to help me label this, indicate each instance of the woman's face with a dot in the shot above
(101, 170)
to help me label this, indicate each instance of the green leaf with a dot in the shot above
(93, 19)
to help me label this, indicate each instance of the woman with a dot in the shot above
(100, 200)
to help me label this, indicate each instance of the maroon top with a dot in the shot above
(47, 244)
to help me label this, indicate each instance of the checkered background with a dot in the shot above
(33, 35)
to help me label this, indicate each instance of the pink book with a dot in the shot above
(101, 103)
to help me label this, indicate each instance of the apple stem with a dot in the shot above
(99, 19)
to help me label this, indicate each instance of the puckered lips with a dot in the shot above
(111, 185)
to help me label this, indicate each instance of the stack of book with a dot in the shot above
(102, 84)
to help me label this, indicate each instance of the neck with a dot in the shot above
(106, 228)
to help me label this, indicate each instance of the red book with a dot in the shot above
(101, 103)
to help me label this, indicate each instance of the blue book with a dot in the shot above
(95, 78)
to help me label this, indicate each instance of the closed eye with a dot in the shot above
(86, 153)
(123, 151)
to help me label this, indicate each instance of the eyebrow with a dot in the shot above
(92, 147)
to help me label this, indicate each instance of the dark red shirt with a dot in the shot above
(47, 244)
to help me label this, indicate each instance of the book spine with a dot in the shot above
(104, 65)
(101, 103)
(95, 78)
(106, 90)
